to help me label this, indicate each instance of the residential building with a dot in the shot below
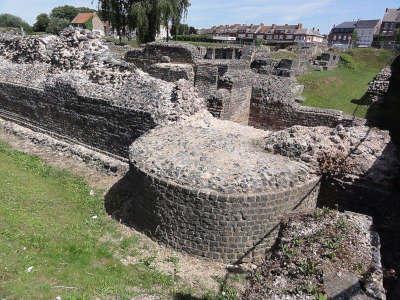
(366, 31)
(89, 21)
(309, 36)
(270, 34)
(341, 35)
(390, 25)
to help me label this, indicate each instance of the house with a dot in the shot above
(89, 20)
(279, 33)
(269, 34)
(341, 35)
(390, 25)
(366, 31)
(308, 36)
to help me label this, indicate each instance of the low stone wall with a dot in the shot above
(269, 113)
(61, 110)
(176, 52)
(172, 72)
(228, 228)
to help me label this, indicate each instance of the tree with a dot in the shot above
(398, 35)
(354, 38)
(192, 30)
(7, 20)
(56, 25)
(42, 21)
(144, 16)
(68, 12)
(182, 29)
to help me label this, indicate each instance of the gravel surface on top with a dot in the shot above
(210, 154)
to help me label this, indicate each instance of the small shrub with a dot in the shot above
(334, 165)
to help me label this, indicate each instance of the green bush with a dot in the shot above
(348, 61)
(11, 21)
(56, 25)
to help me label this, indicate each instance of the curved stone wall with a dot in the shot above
(209, 188)
(230, 228)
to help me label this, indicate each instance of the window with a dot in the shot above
(289, 37)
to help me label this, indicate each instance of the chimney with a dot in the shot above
(387, 9)
(300, 25)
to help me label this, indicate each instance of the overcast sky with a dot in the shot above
(204, 13)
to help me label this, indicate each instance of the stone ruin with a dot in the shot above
(204, 181)
(326, 61)
(73, 86)
(378, 88)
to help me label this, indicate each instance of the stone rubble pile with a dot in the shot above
(379, 87)
(71, 50)
(367, 152)
(23, 49)
(321, 253)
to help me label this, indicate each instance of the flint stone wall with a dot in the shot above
(60, 110)
(266, 113)
(226, 87)
(222, 227)
(177, 53)
(172, 72)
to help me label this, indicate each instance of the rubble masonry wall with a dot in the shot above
(275, 115)
(94, 122)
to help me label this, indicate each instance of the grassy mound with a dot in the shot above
(343, 87)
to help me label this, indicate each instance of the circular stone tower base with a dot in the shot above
(208, 188)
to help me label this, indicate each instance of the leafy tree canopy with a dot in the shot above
(56, 25)
(144, 16)
(68, 12)
(7, 20)
(42, 21)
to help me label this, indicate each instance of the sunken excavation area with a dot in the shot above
(201, 179)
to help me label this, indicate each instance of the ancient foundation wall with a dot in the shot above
(217, 226)
(172, 72)
(236, 103)
(276, 115)
(60, 110)
(206, 79)
(176, 52)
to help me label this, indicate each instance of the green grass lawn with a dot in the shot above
(337, 88)
(53, 238)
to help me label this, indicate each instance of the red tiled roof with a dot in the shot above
(82, 18)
